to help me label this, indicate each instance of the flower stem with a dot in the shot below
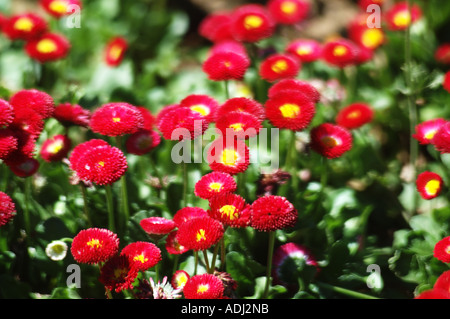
(227, 89)
(269, 263)
(85, 204)
(205, 255)
(346, 292)
(124, 190)
(185, 183)
(26, 215)
(109, 204)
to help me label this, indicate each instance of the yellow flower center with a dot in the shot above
(46, 46)
(140, 258)
(354, 115)
(120, 272)
(58, 6)
(115, 52)
(290, 110)
(200, 235)
(199, 108)
(279, 66)
(116, 119)
(372, 38)
(229, 157)
(55, 147)
(101, 163)
(288, 7)
(215, 186)
(304, 50)
(329, 141)
(402, 19)
(432, 186)
(237, 127)
(24, 24)
(340, 50)
(94, 243)
(181, 281)
(202, 288)
(252, 22)
(227, 64)
(430, 134)
(230, 211)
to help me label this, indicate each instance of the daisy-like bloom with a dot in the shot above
(49, 47)
(200, 233)
(163, 112)
(252, 23)
(60, 8)
(94, 245)
(78, 152)
(330, 141)
(287, 259)
(38, 101)
(142, 142)
(116, 118)
(227, 155)
(442, 250)
(72, 114)
(354, 116)
(339, 53)
(22, 165)
(205, 286)
(149, 119)
(226, 65)
(214, 183)
(230, 209)
(7, 209)
(180, 123)
(229, 46)
(118, 273)
(306, 50)
(442, 54)
(216, 27)
(179, 279)
(441, 139)
(241, 104)
(446, 84)
(115, 51)
(25, 26)
(429, 184)
(54, 149)
(288, 11)
(187, 213)
(157, 227)
(142, 255)
(370, 38)
(443, 281)
(202, 104)
(291, 86)
(172, 245)
(425, 131)
(164, 290)
(56, 250)
(434, 294)
(272, 212)
(279, 66)
(27, 121)
(293, 111)
(6, 113)
(398, 17)
(8, 143)
(241, 124)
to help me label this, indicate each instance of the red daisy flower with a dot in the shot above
(179, 279)
(293, 111)
(241, 104)
(291, 86)
(80, 150)
(229, 46)
(26, 142)
(173, 246)
(354, 116)
(157, 227)
(118, 273)
(279, 66)
(441, 139)
(340, 53)
(72, 114)
(214, 183)
(22, 165)
(55, 148)
(205, 286)
(230, 209)
(442, 250)
(115, 119)
(142, 255)
(40, 102)
(252, 23)
(200, 233)
(398, 17)
(305, 50)
(271, 212)
(94, 245)
(8, 143)
(7, 209)
(49, 47)
(330, 140)
(241, 124)
(28, 121)
(216, 27)
(226, 65)
(6, 113)
(179, 123)
(443, 281)
(115, 51)
(288, 11)
(202, 104)
(60, 8)
(446, 84)
(142, 142)
(228, 155)
(370, 38)
(429, 185)
(149, 119)
(187, 213)
(163, 112)
(426, 130)
(25, 26)
(434, 294)
(442, 54)
(363, 4)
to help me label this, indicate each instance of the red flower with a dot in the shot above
(354, 116)
(214, 183)
(200, 233)
(241, 124)
(142, 142)
(60, 8)
(27, 121)
(442, 54)
(6, 113)
(202, 104)
(25, 26)
(157, 227)
(118, 274)
(22, 165)
(443, 281)
(434, 294)
(230, 209)
(115, 51)
(442, 250)
(252, 23)
(76, 157)
(149, 119)
(40, 102)
(241, 104)
(173, 246)
(228, 155)
(115, 119)
(330, 140)
(293, 111)
(205, 286)
(426, 131)
(187, 213)
(398, 17)
(340, 53)
(441, 139)
(7, 209)
(279, 66)
(288, 11)
(56, 148)
(370, 38)
(72, 114)
(142, 255)
(363, 4)
(305, 50)
(271, 212)
(94, 245)
(293, 86)
(216, 27)
(226, 65)
(179, 279)
(228, 46)
(429, 185)
(180, 123)
(8, 143)
(446, 83)
(49, 47)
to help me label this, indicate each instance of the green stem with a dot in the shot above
(346, 292)
(185, 183)
(124, 190)
(156, 171)
(175, 263)
(205, 255)
(85, 204)
(227, 89)
(109, 204)
(195, 261)
(216, 251)
(26, 215)
(269, 263)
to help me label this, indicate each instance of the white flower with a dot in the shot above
(164, 290)
(56, 250)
